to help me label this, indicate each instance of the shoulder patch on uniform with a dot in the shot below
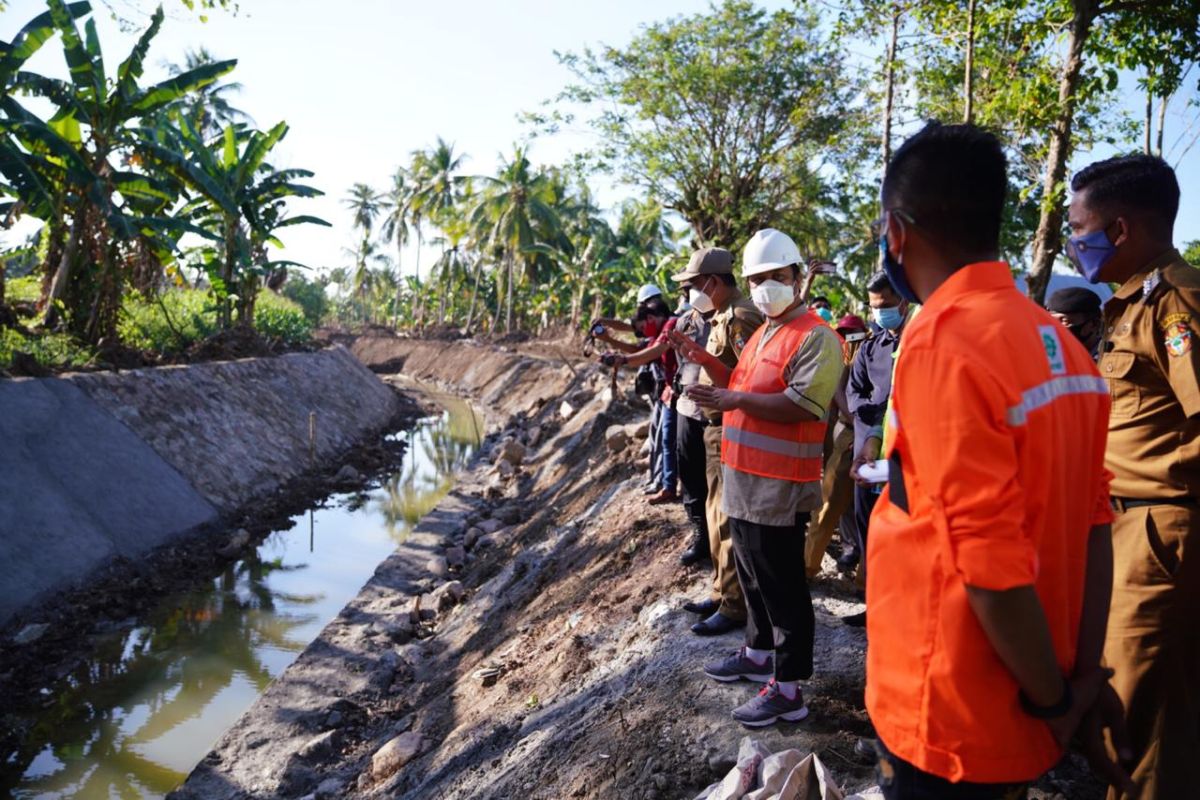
(1178, 339)
(1171, 320)
(1054, 349)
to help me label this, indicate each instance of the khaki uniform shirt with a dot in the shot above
(730, 328)
(813, 374)
(695, 327)
(1151, 361)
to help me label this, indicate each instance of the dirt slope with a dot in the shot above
(567, 670)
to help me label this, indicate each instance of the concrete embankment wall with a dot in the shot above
(501, 381)
(103, 465)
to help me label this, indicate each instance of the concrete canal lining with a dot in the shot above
(103, 465)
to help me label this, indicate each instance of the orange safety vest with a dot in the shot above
(788, 451)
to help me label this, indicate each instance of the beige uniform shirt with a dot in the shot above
(812, 375)
(1151, 360)
(729, 330)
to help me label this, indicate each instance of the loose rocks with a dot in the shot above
(388, 760)
(616, 438)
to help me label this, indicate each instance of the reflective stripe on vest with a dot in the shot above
(790, 451)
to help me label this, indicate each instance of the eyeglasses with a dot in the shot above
(879, 226)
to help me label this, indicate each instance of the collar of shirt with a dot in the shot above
(726, 310)
(979, 277)
(1135, 283)
(783, 319)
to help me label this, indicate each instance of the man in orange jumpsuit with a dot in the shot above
(990, 562)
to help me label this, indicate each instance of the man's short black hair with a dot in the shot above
(879, 284)
(951, 179)
(1138, 183)
(820, 299)
(1074, 300)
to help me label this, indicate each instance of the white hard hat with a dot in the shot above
(648, 291)
(767, 250)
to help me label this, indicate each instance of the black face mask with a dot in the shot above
(1088, 333)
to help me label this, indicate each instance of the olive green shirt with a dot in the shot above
(813, 374)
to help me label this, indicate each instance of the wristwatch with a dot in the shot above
(1048, 712)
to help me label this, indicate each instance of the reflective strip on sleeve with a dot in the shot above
(770, 444)
(1046, 393)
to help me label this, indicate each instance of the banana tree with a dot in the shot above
(29, 188)
(234, 191)
(81, 145)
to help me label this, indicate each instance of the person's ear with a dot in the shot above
(1120, 226)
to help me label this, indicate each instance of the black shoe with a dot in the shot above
(697, 552)
(848, 560)
(858, 620)
(704, 608)
(716, 625)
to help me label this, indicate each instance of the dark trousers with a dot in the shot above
(770, 568)
(655, 436)
(864, 503)
(689, 447)
(900, 780)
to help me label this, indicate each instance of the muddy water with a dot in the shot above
(159, 690)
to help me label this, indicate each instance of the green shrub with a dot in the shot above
(23, 290)
(193, 316)
(279, 317)
(310, 295)
(50, 349)
(144, 325)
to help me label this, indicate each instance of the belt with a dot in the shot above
(1123, 504)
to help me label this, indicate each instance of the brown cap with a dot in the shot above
(706, 261)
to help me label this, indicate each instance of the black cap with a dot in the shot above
(1074, 300)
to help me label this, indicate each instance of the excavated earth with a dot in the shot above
(528, 640)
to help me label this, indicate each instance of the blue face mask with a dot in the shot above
(889, 318)
(895, 273)
(1090, 252)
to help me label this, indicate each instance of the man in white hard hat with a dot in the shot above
(648, 291)
(776, 405)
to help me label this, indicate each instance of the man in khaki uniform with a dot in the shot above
(1122, 215)
(713, 289)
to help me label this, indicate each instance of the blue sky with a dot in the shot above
(364, 82)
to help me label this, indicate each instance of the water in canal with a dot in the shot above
(155, 695)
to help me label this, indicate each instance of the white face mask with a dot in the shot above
(700, 301)
(772, 298)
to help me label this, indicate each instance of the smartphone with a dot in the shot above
(827, 268)
(855, 337)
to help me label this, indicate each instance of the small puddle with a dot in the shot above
(157, 693)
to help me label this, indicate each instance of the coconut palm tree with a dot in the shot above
(514, 204)
(396, 211)
(208, 108)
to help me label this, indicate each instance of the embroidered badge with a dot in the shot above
(1054, 348)
(1170, 320)
(1179, 339)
